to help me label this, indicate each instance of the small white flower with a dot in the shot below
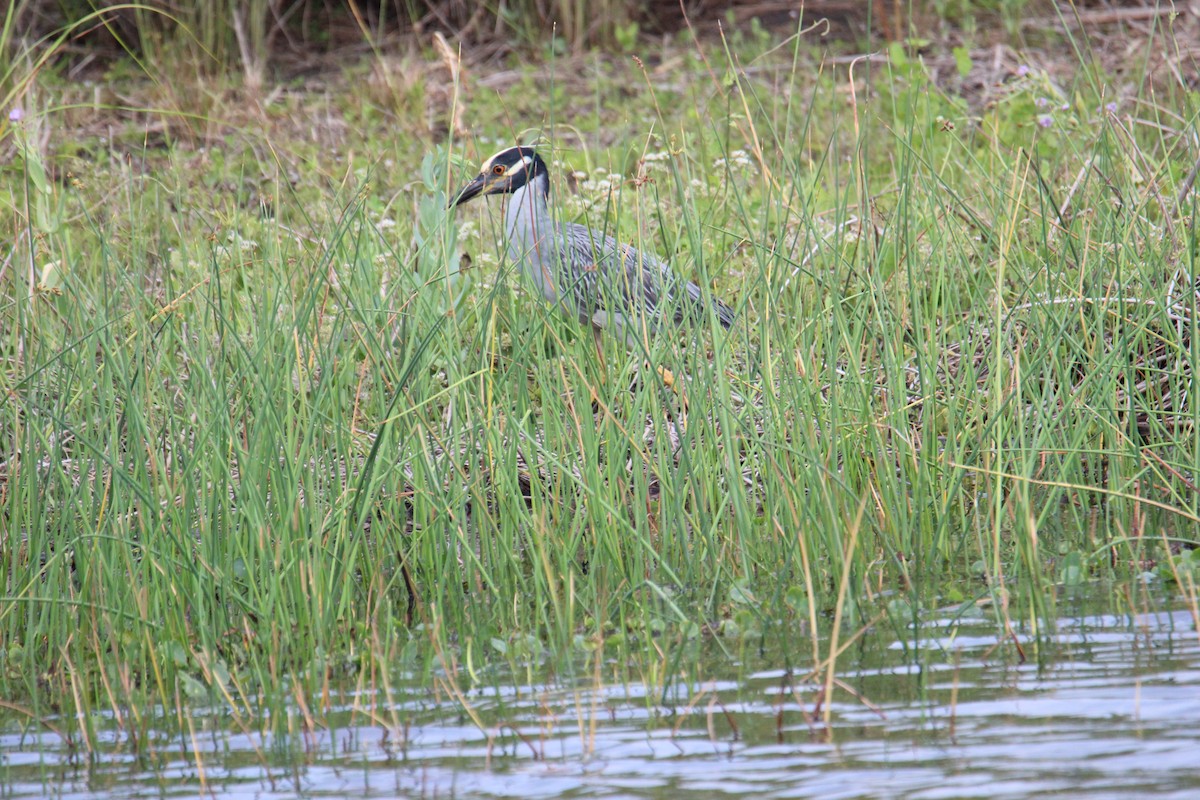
(236, 239)
(740, 158)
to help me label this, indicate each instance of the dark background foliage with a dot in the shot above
(287, 31)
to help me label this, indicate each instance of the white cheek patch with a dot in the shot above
(521, 166)
(524, 165)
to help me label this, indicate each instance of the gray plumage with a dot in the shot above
(607, 284)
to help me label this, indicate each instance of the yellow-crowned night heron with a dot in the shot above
(613, 287)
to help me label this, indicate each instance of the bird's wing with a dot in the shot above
(614, 277)
(611, 273)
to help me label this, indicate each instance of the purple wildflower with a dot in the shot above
(16, 114)
(1045, 120)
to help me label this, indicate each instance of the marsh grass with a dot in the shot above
(268, 431)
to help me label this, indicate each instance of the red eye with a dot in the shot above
(498, 169)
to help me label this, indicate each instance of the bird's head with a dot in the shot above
(503, 173)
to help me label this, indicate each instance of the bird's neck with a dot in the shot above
(528, 218)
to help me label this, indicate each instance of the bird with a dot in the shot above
(610, 286)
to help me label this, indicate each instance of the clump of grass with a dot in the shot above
(255, 443)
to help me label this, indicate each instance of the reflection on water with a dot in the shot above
(1111, 709)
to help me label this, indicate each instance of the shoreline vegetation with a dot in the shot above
(273, 420)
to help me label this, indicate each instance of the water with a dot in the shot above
(1111, 709)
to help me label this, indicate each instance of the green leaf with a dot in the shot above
(797, 598)
(36, 172)
(962, 60)
(740, 594)
(44, 218)
(1072, 572)
(899, 609)
(193, 689)
(52, 277)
